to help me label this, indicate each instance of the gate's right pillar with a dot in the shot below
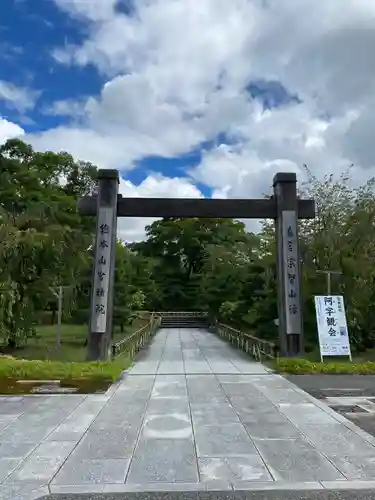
(288, 265)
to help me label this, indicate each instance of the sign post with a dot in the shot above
(288, 265)
(332, 326)
(100, 334)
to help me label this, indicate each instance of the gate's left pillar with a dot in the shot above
(102, 293)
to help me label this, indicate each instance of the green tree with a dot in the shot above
(179, 248)
(46, 242)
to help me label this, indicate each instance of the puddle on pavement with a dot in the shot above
(71, 386)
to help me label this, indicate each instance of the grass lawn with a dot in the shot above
(39, 359)
(72, 348)
(362, 357)
(333, 366)
(23, 369)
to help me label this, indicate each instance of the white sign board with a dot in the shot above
(332, 326)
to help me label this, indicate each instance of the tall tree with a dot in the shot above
(47, 243)
(179, 247)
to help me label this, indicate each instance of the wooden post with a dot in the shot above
(288, 265)
(101, 313)
(329, 274)
(59, 318)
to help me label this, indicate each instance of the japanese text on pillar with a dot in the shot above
(292, 270)
(102, 269)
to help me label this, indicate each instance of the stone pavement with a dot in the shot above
(193, 414)
(351, 395)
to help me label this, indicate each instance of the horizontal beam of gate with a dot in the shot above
(201, 207)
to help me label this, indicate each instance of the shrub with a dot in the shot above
(39, 370)
(303, 366)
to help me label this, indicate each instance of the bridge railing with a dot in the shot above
(256, 347)
(187, 314)
(138, 339)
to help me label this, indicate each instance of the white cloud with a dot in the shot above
(9, 130)
(94, 10)
(66, 107)
(19, 98)
(176, 75)
(154, 186)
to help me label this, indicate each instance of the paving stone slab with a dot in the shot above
(246, 468)
(5, 420)
(15, 433)
(167, 426)
(38, 469)
(210, 414)
(355, 467)
(144, 368)
(7, 465)
(72, 428)
(336, 438)
(169, 386)
(215, 396)
(266, 429)
(117, 420)
(222, 367)
(250, 405)
(110, 443)
(92, 472)
(132, 387)
(197, 368)
(277, 396)
(247, 368)
(163, 460)
(18, 449)
(127, 394)
(43, 463)
(223, 441)
(174, 404)
(23, 491)
(306, 414)
(245, 389)
(295, 461)
(238, 378)
(171, 367)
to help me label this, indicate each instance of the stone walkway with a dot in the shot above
(193, 414)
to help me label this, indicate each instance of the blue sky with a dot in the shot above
(31, 30)
(190, 99)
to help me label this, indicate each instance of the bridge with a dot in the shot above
(200, 413)
(194, 415)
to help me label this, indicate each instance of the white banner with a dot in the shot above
(332, 327)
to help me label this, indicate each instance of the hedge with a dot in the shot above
(303, 366)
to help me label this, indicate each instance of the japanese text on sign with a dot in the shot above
(102, 270)
(332, 326)
(291, 270)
